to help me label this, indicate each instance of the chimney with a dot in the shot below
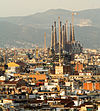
(45, 42)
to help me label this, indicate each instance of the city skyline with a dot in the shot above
(23, 8)
(49, 55)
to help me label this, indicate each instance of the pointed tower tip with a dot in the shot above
(59, 17)
(52, 27)
(54, 23)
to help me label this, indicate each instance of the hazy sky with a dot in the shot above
(27, 7)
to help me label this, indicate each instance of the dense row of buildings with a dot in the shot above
(33, 81)
(64, 77)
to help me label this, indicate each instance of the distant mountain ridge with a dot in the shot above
(26, 31)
